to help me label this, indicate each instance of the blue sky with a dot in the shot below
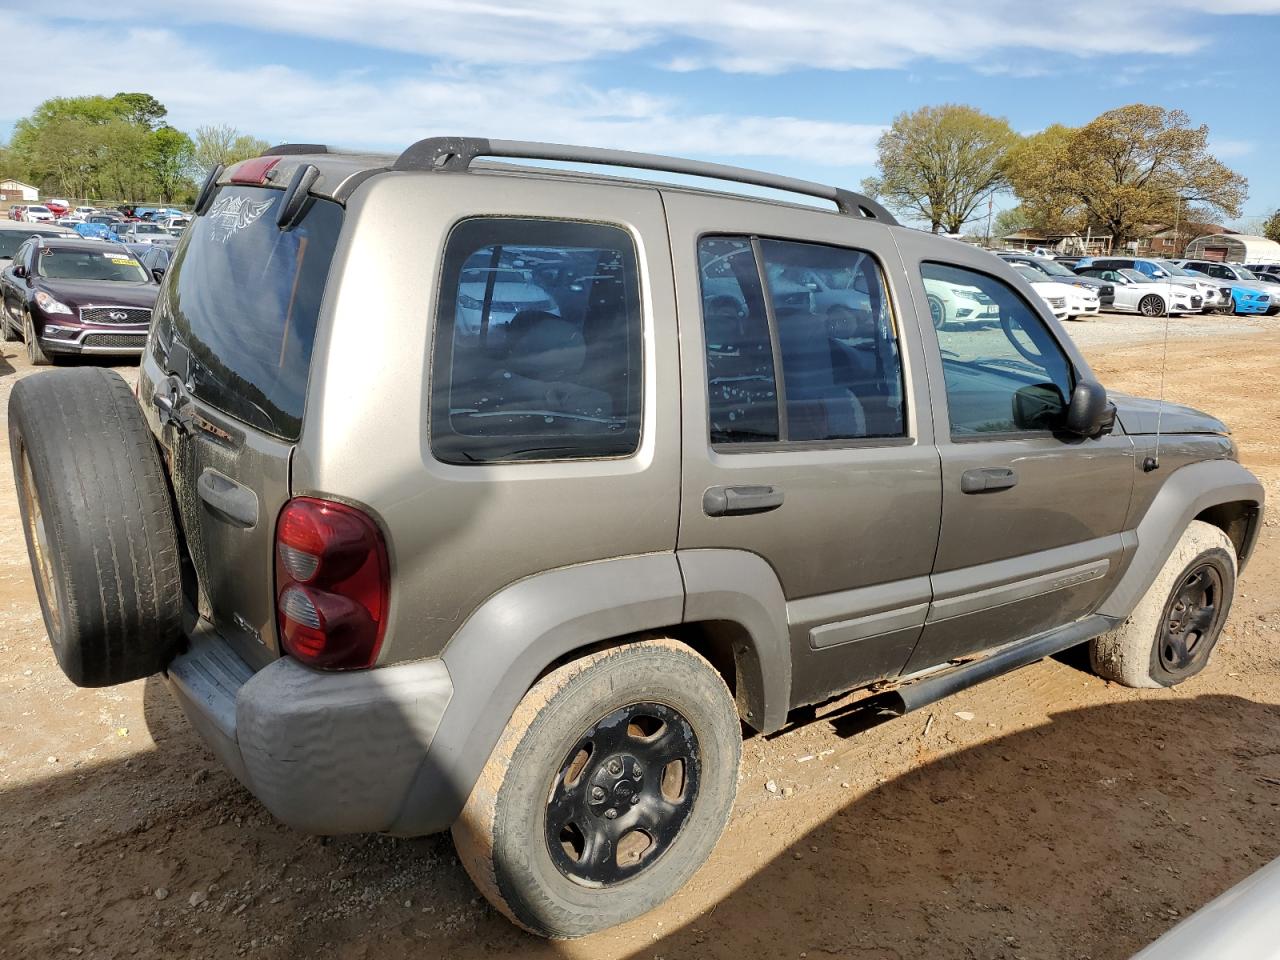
(803, 88)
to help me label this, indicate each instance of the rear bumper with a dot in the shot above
(326, 753)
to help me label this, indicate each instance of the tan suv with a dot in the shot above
(466, 495)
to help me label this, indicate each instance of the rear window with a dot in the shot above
(241, 303)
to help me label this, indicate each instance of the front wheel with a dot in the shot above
(937, 312)
(1151, 306)
(610, 786)
(1172, 631)
(35, 352)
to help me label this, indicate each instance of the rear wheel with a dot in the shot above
(1172, 632)
(98, 524)
(609, 788)
(1151, 306)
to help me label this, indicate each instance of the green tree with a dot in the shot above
(941, 163)
(1271, 229)
(1127, 170)
(140, 108)
(1010, 221)
(223, 145)
(168, 157)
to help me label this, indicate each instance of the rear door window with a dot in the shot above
(538, 343)
(237, 318)
(805, 322)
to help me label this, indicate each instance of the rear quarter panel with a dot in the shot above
(458, 534)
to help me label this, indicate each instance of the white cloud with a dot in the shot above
(755, 36)
(1227, 149)
(353, 109)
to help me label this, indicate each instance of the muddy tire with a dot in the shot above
(100, 531)
(609, 788)
(1171, 633)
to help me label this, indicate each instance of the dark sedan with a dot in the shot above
(76, 296)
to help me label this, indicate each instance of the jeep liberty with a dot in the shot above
(460, 494)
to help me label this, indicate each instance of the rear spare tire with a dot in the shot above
(99, 526)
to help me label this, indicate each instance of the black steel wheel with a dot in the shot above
(1192, 616)
(609, 787)
(623, 794)
(1171, 633)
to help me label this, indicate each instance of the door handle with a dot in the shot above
(722, 501)
(232, 500)
(987, 478)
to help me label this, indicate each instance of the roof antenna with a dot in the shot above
(1153, 462)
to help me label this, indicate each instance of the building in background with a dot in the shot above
(1234, 248)
(15, 191)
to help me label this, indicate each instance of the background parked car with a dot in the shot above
(36, 213)
(1138, 293)
(13, 235)
(1237, 276)
(76, 296)
(1210, 293)
(951, 303)
(1054, 270)
(15, 211)
(140, 232)
(1267, 271)
(1057, 295)
(59, 208)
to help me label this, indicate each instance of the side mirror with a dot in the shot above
(158, 273)
(20, 271)
(1090, 413)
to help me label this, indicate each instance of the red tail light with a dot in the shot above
(331, 584)
(253, 171)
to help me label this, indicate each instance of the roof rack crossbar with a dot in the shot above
(457, 153)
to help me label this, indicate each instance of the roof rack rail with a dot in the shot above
(452, 154)
(293, 149)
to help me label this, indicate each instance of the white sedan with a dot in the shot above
(1063, 299)
(958, 303)
(1138, 293)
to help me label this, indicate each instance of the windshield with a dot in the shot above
(1135, 276)
(114, 265)
(1244, 274)
(11, 240)
(37, 209)
(147, 228)
(1174, 269)
(1053, 268)
(1031, 273)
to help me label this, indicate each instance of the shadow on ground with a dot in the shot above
(1078, 838)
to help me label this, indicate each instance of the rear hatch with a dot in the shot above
(234, 328)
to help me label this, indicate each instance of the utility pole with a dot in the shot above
(990, 201)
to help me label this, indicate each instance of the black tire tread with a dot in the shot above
(109, 519)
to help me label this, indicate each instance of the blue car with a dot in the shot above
(1247, 301)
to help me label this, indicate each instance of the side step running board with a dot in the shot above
(920, 693)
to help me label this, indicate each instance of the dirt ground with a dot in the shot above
(1068, 818)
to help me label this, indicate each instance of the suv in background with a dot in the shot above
(1237, 276)
(458, 494)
